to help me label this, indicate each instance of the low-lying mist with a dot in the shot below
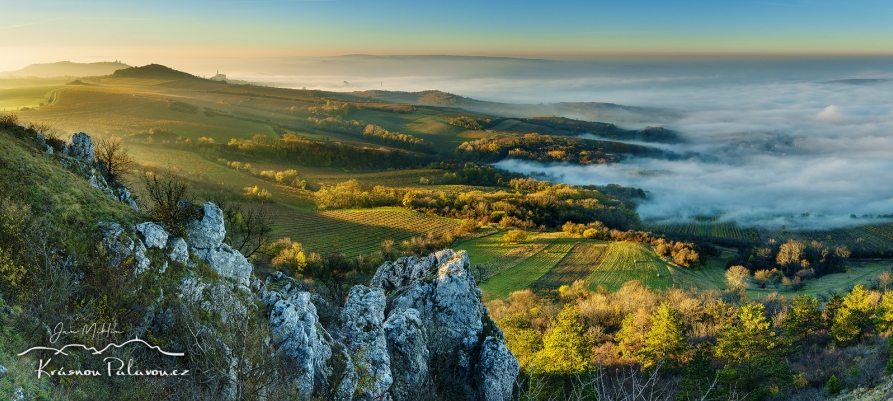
(772, 138)
(767, 153)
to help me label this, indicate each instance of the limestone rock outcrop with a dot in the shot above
(81, 148)
(210, 231)
(364, 336)
(405, 334)
(294, 330)
(467, 355)
(79, 157)
(419, 331)
(227, 262)
(205, 238)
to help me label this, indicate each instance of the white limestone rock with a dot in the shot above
(407, 347)
(139, 255)
(81, 148)
(210, 231)
(227, 262)
(153, 234)
(364, 336)
(296, 333)
(117, 243)
(179, 251)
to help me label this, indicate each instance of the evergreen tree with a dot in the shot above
(665, 341)
(565, 346)
(698, 378)
(832, 387)
(803, 320)
(630, 337)
(884, 321)
(747, 338)
(834, 304)
(521, 339)
(754, 363)
(853, 318)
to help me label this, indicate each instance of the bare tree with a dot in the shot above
(231, 356)
(248, 229)
(45, 129)
(115, 157)
(170, 200)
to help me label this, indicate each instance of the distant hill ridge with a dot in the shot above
(583, 115)
(153, 71)
(65, 69)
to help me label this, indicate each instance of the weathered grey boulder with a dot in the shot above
(208, 232)
(407, 347)
(364, 336)
(296, 333)
(19, 395)
(403, 271)
(3, 370)
(81, 148)
(227, 262)
(279, 286)
(154, 236)
(179, 251)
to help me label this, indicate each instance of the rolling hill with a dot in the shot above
(65, 69)
(591, 111)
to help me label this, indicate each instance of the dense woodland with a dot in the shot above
(546, 206)
(688, 346)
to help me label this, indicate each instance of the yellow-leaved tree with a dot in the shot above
(630, 337)
(566, 349)
(665, 341)
(855, 315)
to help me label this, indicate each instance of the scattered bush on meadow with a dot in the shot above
(514, 237)
(465, 122)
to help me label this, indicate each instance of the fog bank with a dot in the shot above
(774, 137)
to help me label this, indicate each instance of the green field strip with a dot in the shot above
(626, 261)
(15, 98)
(522, 275)
(356, 232)
(885, 231)
(577, 265)
(484, 249)
(514, 257)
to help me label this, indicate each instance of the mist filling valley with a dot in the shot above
(795, 142)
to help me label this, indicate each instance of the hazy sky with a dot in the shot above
(185, 32)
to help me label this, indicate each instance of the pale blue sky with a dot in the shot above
(143, 31)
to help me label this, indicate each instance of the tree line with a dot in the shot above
(547, 207)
